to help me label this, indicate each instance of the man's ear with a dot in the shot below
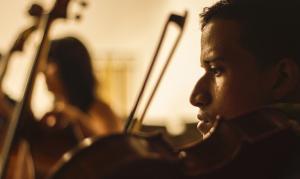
(286, 78)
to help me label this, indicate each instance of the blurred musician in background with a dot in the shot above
(69, 76)
(77, 111)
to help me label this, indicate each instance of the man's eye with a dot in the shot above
(215, 71)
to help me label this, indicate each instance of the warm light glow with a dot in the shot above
(130, 27)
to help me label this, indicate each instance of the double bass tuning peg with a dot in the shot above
(82, 3)
(78, 17)
(36, 10)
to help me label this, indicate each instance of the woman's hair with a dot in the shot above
(75, 70)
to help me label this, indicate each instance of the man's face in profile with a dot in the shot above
(233, 82)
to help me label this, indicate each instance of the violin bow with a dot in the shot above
(133, 123)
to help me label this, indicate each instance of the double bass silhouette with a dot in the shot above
(19, 162)
(13, 134)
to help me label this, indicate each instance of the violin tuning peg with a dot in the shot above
(82, 3)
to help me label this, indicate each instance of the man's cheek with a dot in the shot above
(219, 86)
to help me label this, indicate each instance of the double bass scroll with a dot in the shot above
(35, 11)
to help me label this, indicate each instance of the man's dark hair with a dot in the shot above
(270, 29)
(75, 70)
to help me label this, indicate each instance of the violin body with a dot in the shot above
(120, 156)
(259, 145)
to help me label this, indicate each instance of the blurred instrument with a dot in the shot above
(259, 144)
(17, 121)
(35, 11)
(7, 104)
(19, 163)
(53, 134)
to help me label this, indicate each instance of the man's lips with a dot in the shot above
(204, 116)
(206, 123)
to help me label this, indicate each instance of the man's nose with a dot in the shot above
(200, 96)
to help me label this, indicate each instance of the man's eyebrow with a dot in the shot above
(211, 59)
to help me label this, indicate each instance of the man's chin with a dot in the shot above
(204, 127)
(207, 128)
(207, 123)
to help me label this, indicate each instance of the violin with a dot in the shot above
(259, 144)
(130, 154)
